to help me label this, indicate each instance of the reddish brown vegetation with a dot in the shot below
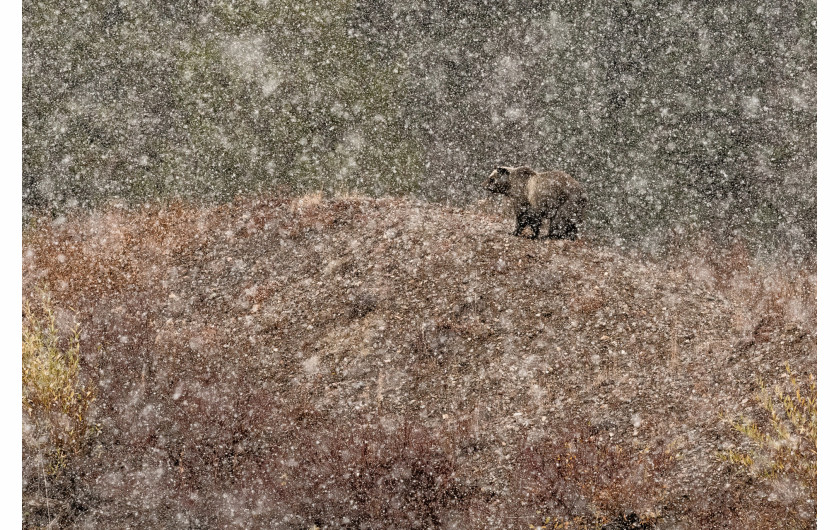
(359, 363)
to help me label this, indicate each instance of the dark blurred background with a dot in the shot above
(681, 118)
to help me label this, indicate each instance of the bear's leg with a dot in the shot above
(556, 228)
(521, 222)
(567, 230)
(535, 223)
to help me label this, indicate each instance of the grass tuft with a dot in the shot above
(784, 444)
(54, 398)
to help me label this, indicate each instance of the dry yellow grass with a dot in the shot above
(784, 445)
(54, 398)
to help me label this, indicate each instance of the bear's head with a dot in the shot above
(498, 181)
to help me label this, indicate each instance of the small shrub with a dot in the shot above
(785, 445)
(54, 398)
(583, 480)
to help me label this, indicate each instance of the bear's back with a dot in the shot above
(550, 190)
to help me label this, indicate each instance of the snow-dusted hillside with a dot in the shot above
(383, 363)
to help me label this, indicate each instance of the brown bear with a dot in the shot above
(552, 195)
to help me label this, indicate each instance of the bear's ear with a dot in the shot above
(502, 170)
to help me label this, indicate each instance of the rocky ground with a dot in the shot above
(376, 363)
